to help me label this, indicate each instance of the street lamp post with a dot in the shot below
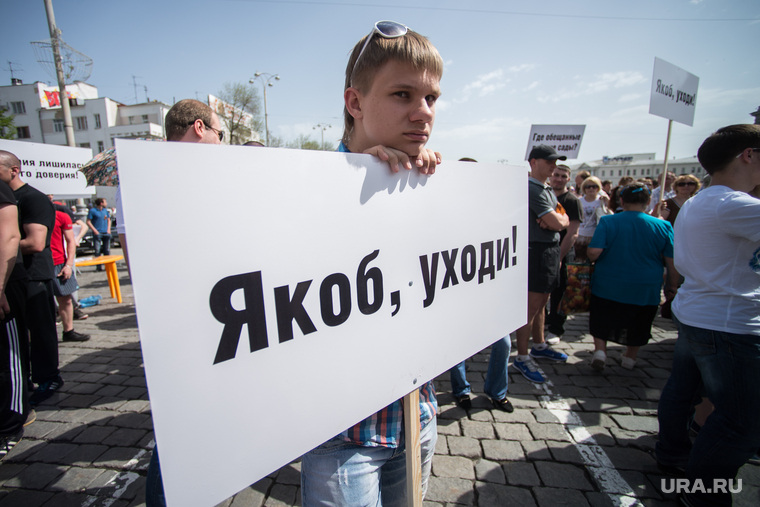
(266, 80)
(322, 127)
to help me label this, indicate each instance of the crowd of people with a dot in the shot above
(699, 247)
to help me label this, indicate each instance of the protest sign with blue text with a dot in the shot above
(50, 168)
(297, 292)
(566, 139)
(674, 93)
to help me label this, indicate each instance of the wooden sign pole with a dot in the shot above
(664, 168)
(413, 456)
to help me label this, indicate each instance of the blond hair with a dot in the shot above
(411, 48)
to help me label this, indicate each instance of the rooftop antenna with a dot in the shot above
(146, 93)
(10, 68)
(134, 85)
(76, 66)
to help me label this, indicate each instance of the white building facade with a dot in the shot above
(639, 165)
(97, 121)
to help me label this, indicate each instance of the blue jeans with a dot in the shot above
(728, 365)
(342, 473)
(497, 379)
(102, 244)
(154, 486)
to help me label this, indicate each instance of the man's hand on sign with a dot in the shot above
(426, 161)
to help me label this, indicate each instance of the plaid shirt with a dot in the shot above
(384, 428)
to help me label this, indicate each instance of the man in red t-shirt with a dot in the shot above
(65, 283)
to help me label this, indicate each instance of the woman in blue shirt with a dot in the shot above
(630, 250)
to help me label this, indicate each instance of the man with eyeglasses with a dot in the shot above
(192, 121)
(188, 121)
(717, 311)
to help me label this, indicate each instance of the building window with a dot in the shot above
(58, 125)
(18, 107)
(84, 145)
(101, 147)
(23, 133)
(97, 121)
(80, 123)
(145, 118)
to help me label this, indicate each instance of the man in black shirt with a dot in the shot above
(558, 181)
(36, 220)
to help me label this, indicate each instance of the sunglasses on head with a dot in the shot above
(219, 133)
(386, 29)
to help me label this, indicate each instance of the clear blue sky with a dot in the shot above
(509, 64)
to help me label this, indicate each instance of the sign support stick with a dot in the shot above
(665, 167)
(413, 456)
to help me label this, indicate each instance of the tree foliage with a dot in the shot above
(7, 128)
(240, 111)
(304, 142)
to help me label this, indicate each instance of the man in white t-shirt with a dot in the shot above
(717, 310)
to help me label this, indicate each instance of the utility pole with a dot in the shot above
(68, 126)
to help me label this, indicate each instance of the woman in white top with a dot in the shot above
(594, 205)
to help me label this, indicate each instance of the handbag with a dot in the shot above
(577, 296)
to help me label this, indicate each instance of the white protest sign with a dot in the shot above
(674, 93)
(338, 287)
(50, 168)
(566, 139)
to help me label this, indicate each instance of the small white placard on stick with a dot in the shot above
(566, 139)
(674, 93)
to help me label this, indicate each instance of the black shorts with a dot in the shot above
(623, 323)
(543, 267)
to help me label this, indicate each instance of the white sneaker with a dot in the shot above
(599, 360)
(627, 362)
(552, 339)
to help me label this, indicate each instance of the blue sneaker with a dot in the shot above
(548, 353)
(529, 370)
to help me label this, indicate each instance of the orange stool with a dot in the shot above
(109, 261)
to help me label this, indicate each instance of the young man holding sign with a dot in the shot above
(392, 84)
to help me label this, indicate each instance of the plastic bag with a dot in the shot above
(90, 301)
(577, 296)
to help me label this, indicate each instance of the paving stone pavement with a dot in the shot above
(579, 440)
